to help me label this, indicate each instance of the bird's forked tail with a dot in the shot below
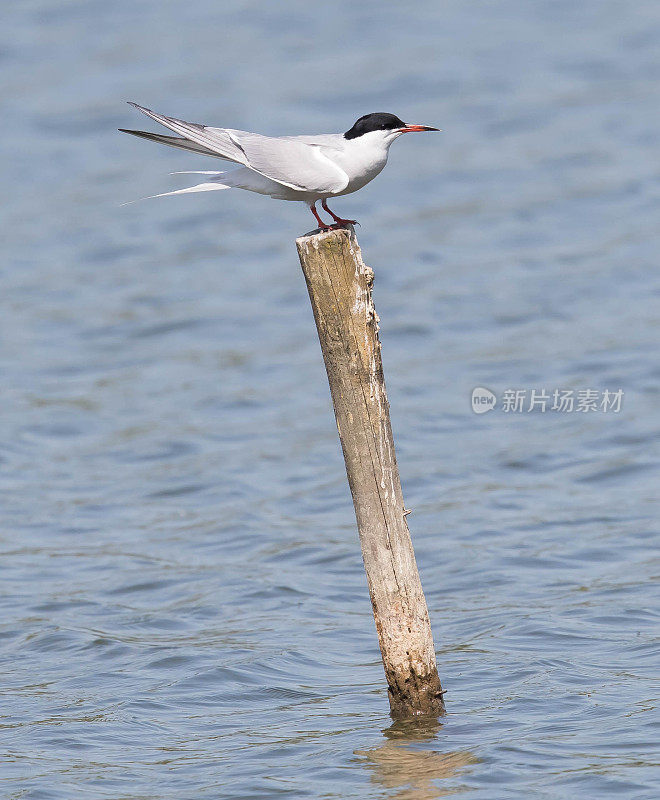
(208, 186)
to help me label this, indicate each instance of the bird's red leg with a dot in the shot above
(337, 219)
(322, 225)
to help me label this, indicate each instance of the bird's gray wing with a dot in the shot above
(220, 145)
(334, 141)
(283, 159)
(173, 141)
(290, 161)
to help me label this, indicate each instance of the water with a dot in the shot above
(184, 609)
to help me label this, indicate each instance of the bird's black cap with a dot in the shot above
(379, 121)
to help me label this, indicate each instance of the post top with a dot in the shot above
(317, 236)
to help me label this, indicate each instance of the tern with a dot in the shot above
(303, 168)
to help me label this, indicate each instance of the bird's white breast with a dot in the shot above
(361, 159)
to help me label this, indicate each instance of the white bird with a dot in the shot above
(303, 168)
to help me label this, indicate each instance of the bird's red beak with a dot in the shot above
(409, 128)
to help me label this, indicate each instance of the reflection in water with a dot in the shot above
(414, 773)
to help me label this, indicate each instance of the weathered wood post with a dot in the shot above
(339, 287)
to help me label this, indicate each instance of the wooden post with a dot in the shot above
(339, 287)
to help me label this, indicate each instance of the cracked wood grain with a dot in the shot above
(340, 289)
